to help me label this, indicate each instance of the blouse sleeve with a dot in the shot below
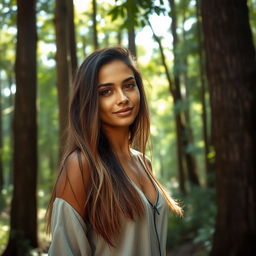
(68, 231)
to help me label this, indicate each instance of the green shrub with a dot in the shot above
(197, 224)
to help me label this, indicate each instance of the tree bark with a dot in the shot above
(72, 38)
(131, 32)
(119, 37)
(1, 141)
(188, 133)
(231, 72)
(181, 173)
(189, 158)
(84, 43)
(209, 166)
(131, 40)
(94, 20)
(178, 119)
(64, 70)
(23, 231)
(9, 180)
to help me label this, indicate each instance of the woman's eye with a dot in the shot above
(105, 92)
(129, 86)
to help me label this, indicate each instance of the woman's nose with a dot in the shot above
(122, 97)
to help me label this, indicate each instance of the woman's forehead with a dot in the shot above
(114, 71)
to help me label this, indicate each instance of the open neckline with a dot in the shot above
(140, 190)
(154, 204)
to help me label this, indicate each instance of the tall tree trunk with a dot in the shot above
(23, 231)
(64, 71)
(178, 124)
(209, 167)
(94, 20)
(131, 31)
(1, 140)
(231, 72)
(72, 38)
(131, 40)
(183, 139)
(119, 37)
(178, 119)
(189, 158)
(11, 98)
(191, 162)
(84, 39)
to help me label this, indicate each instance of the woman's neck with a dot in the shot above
(119, 141)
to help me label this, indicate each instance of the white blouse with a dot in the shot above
(143, 237)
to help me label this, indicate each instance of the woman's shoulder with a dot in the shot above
(73, 181)
(144, 158)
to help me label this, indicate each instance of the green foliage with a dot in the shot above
(4, 232)
(197, 225)
(5, 200)
(198, 222)
(252, 18)
(8, 13)
(5, 197)
(136, 12)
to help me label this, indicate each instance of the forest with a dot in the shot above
(198, 64)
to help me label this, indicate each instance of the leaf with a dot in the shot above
(114, 13)
(143, 23)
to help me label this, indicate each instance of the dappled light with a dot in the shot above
(197, 62)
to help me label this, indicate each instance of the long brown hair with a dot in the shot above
(110, 194)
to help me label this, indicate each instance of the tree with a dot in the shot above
(131, 28)
(231, 73)
(94, 19)
(64, 65)
(72, 37)
(208, 165)
(23, 232)
(1, 142)
(182, 118)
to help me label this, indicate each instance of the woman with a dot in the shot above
(106, 200)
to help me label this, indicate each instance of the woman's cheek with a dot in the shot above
(106, 104)
(138, 96)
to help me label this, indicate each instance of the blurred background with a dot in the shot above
(198, 65)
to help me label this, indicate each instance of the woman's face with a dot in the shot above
(119, 96)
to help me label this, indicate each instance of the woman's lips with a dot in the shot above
(124, 112)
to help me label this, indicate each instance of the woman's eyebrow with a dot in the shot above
(128, 79)
(110, 84)
(106, 84)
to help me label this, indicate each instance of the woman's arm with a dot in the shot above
(69, 232)
(68, 216)
(73, 182)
